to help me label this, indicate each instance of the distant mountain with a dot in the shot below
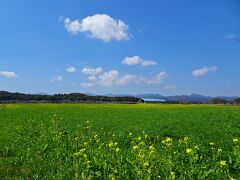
(150, 96)
(188, 98)
(180, 98)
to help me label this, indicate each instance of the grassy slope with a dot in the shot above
(201, 122)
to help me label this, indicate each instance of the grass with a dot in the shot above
(49, 141)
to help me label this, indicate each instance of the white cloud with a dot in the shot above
(126, 79)
(57, 79)
(92, 78)
(171, 87)
(137, 60)
(113, 77)
(8, 74)
(230, 36)
(108, 78)
(87, 85)
(92, 71)
(158, 78)
(203, 71)
(71, 69)
(99, 26)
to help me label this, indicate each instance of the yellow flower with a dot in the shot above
(168, 140)
(223, 163)
(110, 145)
(117, 150)
(77, 154)
(172, 174)
(152, 148)
(235, 140)
(219, 150)
(146, 164)
(189, 150)
(196, 147)
(135, 147)
(186, 139)
(77, 139)
(149, 171)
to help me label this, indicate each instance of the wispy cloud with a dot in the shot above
(92, 71)
(137, 60)
(203, 71)
(87, 85)
(232, 37)
(57, 79)
(99, 26)
(171, 86)
(156, 79)
(71, 69)
(8, 74)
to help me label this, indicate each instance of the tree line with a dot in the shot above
(8, 97)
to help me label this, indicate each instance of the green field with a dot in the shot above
(112, 141)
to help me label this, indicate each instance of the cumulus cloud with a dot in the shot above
(71, 69)
(137, 60)
(87, 85)
(203, 71)
(92, 78)
(57, 79)
(113, 77)
(92, 71)
(158, 78)
(99, 26)
(8, 74)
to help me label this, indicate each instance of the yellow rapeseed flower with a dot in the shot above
(186, 139)
(135, 147)
(172, 174)
(235, 140)
(189, 150)
(168, 140)
(117, 150)
(146, 164)
(223, 163)
(220, 150)
(152, 148)
(110, 145)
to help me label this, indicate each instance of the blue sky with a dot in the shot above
(109, 46)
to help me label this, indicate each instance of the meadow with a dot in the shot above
(116, 141)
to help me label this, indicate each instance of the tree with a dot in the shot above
(218, 101)
(140, 101)
(237, 100)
